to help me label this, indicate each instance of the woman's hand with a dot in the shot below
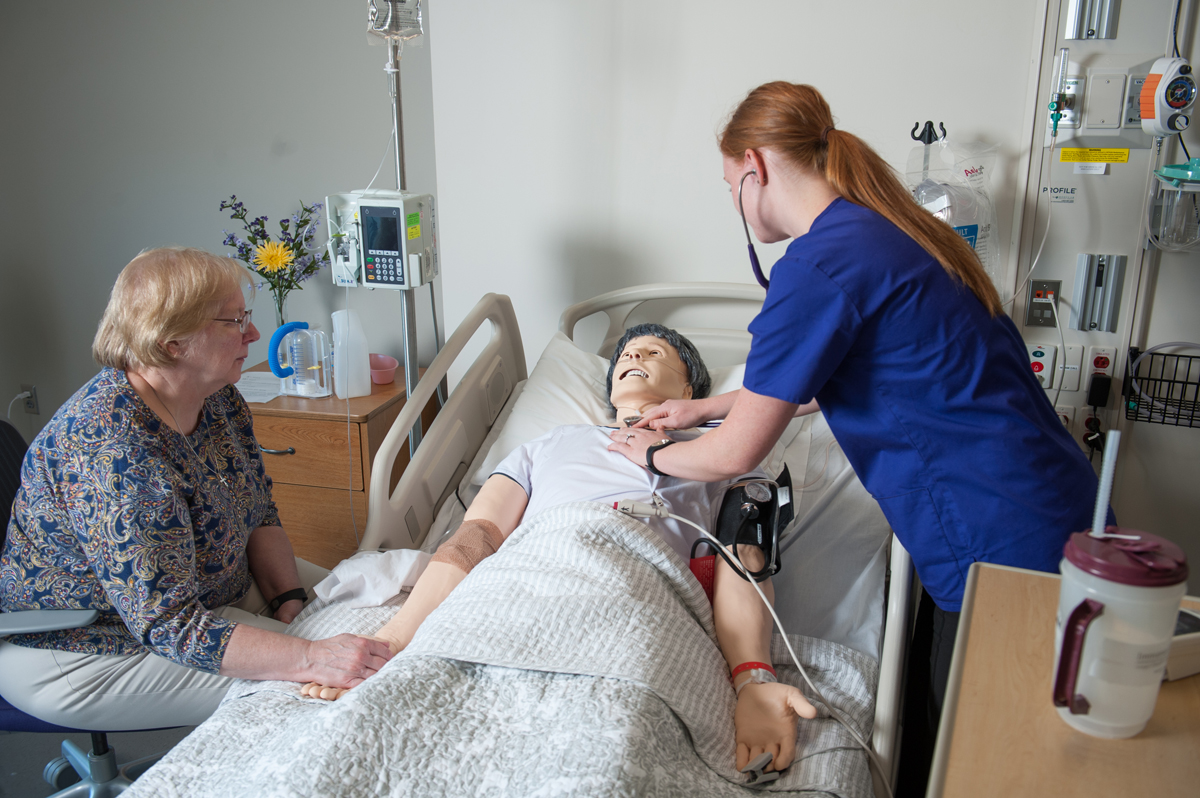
(675, 414)
(765, 721)
(345, 660)
(330, 692)
(633, 443)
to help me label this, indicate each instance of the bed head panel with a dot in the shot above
(719, 346)
(402, 519)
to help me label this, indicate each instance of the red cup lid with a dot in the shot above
(1136, 558)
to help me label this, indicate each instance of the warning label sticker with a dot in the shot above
(1093, 155)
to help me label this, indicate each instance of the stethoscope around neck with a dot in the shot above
(758, 273)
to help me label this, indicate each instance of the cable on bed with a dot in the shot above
(629, 507)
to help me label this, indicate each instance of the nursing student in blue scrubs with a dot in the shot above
(882, 315)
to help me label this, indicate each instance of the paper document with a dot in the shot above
(258, 386)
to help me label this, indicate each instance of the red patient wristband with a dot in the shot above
(751, 666)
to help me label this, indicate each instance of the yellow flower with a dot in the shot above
(273, 256)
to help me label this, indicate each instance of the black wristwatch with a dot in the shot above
(286, 596)
(664, 443)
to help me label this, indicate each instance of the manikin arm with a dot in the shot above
(766, 714)
(501, 502)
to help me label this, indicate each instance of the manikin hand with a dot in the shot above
(765, 720)
(332, 693)
(673, 414)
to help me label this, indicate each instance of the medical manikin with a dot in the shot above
(652, 365)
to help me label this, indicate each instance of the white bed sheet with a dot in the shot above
(832, 582)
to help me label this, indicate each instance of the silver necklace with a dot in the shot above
(186, 442)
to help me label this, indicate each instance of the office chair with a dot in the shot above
(99, 774)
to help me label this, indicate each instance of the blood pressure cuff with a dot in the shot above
(754, 512)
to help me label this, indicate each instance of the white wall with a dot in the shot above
(576, 141)
(125, 124)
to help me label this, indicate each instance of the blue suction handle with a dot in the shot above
(273, 348)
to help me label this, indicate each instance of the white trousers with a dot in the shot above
(125, 692)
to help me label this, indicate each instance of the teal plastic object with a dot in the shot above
(1180, 173)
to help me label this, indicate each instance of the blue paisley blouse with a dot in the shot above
(116, 513)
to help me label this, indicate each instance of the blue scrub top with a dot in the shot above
(931, 398)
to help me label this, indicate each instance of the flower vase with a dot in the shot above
(280, 309)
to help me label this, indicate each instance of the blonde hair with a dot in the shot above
(164, 294)
(794, 121)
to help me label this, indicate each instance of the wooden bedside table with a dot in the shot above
(1000, 734)
(317, 477)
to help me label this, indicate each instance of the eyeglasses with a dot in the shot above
(242, 323)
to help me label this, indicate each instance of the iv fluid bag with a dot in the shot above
(954, 185)
(394, 19)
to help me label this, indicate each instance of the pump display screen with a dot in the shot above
(382, 251)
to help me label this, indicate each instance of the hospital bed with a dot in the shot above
(845, 579)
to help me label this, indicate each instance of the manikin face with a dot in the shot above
(649, 372)
(214, 356)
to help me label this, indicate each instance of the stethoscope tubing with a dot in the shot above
(758, 272)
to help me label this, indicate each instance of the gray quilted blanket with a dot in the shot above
(580, 659)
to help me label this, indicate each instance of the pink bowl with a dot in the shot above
(383, 369)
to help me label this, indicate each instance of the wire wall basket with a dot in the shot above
(1164, 389)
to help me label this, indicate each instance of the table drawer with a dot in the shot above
(319, 454)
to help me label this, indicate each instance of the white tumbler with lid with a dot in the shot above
(1117, 606)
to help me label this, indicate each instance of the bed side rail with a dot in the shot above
(897, 627)
(620, 304)
(403, 518)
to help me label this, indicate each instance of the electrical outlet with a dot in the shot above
(1100, 360)
(1039, 314)
(1066, 414)
(31, 404)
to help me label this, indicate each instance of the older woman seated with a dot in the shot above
(145, 498)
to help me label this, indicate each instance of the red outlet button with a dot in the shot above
(1037, 368)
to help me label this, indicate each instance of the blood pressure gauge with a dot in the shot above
(1167, 97)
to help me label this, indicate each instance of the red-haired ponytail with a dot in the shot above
(795, 122)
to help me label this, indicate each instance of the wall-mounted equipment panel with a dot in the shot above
(1097, 295)
(1092, 19)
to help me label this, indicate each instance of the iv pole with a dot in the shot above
(408, 304)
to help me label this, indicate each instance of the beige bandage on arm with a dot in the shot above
(471, 543)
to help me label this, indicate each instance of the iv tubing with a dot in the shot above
(639, 508)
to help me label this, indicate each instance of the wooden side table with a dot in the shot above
(1000, 734)
(321, 465)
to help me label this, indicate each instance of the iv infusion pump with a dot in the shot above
(382, 239)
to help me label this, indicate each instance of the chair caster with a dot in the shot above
(59, 774)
